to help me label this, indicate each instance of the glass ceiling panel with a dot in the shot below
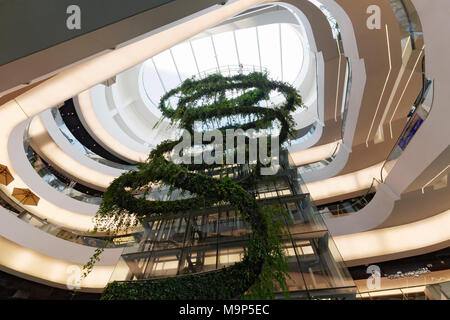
(255, 46)
(226, 49)
(167, 70)
(152, 84)
(184, 59)
(292, 53)
(248, 47)
(204, 53)
(269, 42)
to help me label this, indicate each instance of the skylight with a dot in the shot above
(275, 48)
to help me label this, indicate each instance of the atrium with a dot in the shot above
(219, 150)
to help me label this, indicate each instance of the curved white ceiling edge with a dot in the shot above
(314, 154)
(103, 136)
(332, 169)
(129, 101)
(76, 221)
(411, 239)
(356, 91)
(73, 168)
(77, 79)
(420, 152)
(31, 237)
(368, 218)
(31, 178)
(307, 143)
(81, 77)
(343, 184)
(38, 267)
(59, 138)
(54, 206)
(107, 112)
(314, 97)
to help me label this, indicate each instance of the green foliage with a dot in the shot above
(227, 283)
(206, 100)
(87, 268)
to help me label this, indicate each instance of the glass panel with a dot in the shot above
(152, 84)
(296, 281)
(162, 264)
(209, 228)
(184, 59)
(248, 47)
(230, 253)
(199, 259)
(231, 227)
(225, 49)
(204, 53)
(269, 41)
(167, 71)
(292, 53)
(320, 266)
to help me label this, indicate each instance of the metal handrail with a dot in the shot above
(362, 201)
(423, 95)
(60, 232)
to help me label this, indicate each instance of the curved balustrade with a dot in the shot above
(42, 169)
(331, 20)
(319, 164)
(340, 47)
(409, 22)
(419, 113)
(304, 137)
(346, 96)
(44, 225)
(349, 206)
(80, 147)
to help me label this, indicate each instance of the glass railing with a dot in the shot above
(438, 291)
(409, 23)
(349, 206)
(340, 47)
(418, 114)
(346, 97)
(65, 234)
(321, 164)
(331, 20)
(303, 138)
(80, 147)
(66, 187)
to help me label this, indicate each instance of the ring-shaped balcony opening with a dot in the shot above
(278, 49)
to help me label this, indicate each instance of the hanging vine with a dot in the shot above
(218, 102)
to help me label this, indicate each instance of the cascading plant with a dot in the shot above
(222, 103)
